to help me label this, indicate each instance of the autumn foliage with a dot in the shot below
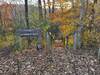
(6, 16)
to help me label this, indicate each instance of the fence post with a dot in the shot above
(48, 41)
(79, 39)
(67, 37)
(19, 67)
(99, 53)
(75, 40)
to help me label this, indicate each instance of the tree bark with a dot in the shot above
(49, 6)
(26, 13)
(45, 12)
(72, 3)
(53, 6)
(82, 14)
(40, 10)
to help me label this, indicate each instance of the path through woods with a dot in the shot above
(59, 62)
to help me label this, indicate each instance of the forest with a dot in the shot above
(49, 37)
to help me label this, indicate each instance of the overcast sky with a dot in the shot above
(19, 1)
(33, 2)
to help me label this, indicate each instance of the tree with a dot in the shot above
(49, 6)
(53, 6)
(26, 13)
(40, 9)
(45, 12)
(72, 1)
(6, 17)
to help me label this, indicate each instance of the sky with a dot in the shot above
(33, 2)
(19, 1)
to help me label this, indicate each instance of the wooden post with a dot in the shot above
(67, 37)
(48, 41)
(39, 44)
(75, 40)
(99, 52)
(79, 39)
(17, 45)
(18, 66)
(82, 14)
(39, 38)
(27, 20)
(26, 13)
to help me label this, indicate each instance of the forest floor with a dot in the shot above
(58, 62)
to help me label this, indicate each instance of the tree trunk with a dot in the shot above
(27, 20)
(45, 12)
(49, 6)
(0, 18)
(95, 1)
(92, 15)
(72, 3)
(82, 10)
(82, 14)
(40, 10)
(53, 6)
(87, 3)
(26, 13)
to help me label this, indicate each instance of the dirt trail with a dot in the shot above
(59, 62)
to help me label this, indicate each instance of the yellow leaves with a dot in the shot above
(10, 39)
(97, 18)
(64, 17)
(6, 41)
(67, 19)
(66, 29)
(89, 37)
(98, 37)
(71, 41)
(86, 33)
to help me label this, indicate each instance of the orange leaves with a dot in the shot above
(65, 17)
(49, 4)
(61, 1)
(6, 16)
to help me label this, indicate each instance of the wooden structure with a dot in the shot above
(77, 39)
(30, 34)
